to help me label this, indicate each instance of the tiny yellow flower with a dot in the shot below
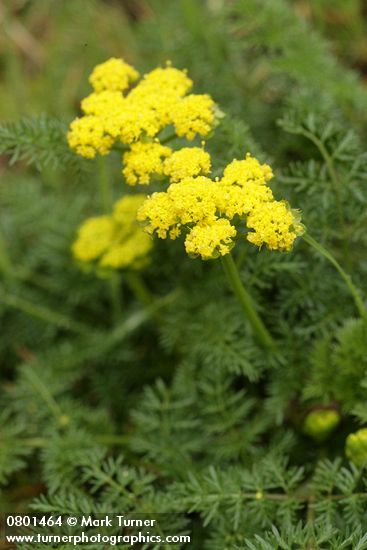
(113, 75)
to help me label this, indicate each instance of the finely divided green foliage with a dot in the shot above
(40, 141)
(307, 537)
(110, 406)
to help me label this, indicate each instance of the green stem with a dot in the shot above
(19, 273)
(245, 300)
(43, 391)
(115, 284)
(106, 199)
(335, 183)
(120, 147)
(139, 288)
(105, 191)
(168, 138)
(103, 439)
(142, 292)
(42, 312)
(6, 265)
(347, 279)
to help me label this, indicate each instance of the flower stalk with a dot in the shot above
(335, 185)
(106, 201)
(139, 288)
(246, 302)
(346, 278)
(105, 191)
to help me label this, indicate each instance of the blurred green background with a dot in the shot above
(48, 47)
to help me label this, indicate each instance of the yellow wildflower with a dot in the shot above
(87, 137)
(193, 115)
(196, 204)
(94, 237)
(155, 102)
(356, 447)
(114, 75)
(144, 160)
(115, 241)
(212, 240)
(274, 225)
(187, 162)
(242, 172)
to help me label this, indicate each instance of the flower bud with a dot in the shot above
(320, 423)
(356, 447)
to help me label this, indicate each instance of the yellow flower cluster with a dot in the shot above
(243, 172)
(158, 100)
(146, 160)
(208, 211)
(94, 237)
(87, 137)
(114, 241)
(193, 115)
(210, 240)
(98, 104)
(187, 162)
(274, 224)
(114, 75)
(356, 447)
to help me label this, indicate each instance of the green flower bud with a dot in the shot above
(356, 447)
(320, 423)
(64, 420)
